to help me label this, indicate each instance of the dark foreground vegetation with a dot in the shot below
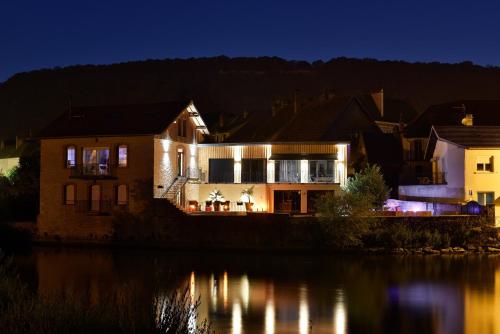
(23, 311)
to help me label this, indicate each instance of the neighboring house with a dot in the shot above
(10, 153)
(417, 169)
(463, 160)
(98, 159)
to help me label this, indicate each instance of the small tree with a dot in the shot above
(344, 217)
(369, 182)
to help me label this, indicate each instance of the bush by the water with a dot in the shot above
(22, 311)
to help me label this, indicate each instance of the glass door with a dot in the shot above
(96, 161)
(180, 162)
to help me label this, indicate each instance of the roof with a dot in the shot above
(395, 110)
(333, 120)
(117, 120)
(382, 148)
(464, 136)
(485, 113)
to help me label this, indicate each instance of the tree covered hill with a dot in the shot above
(29, 101)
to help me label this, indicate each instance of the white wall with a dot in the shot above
(450, 159)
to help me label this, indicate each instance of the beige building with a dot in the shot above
(98, 160)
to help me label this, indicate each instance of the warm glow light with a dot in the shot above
(224, 289)
(304, 171)
(237, 171)
(270, 171)
(165, 143)
(237, 153)
(236, 318)
(245, 291)
(269, 317)
(303, 311)
(340, 314)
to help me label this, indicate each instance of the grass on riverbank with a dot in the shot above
(22, 311)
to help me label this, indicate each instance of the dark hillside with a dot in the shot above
(28, 101)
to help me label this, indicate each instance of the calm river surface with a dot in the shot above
(263, 293)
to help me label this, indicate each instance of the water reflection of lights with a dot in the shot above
(340, 314)
(269, 317)
(224, 290)
(213, 292)
(192, 287)
(236, 318)
(303, 311)
(245, 291)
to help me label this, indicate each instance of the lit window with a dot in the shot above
(122, 156)
(484, 164)
(122, 195)
(69, 194)
(484, 198)
(70, 157)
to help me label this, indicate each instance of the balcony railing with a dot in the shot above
(98, 207)
(435, 178)
(93, 171)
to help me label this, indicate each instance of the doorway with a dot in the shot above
(180, 162)
(287, 201)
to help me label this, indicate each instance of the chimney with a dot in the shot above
(468, 120)
(273, 111)
(378, 98)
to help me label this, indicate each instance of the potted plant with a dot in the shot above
(246, 196)
(216, 196)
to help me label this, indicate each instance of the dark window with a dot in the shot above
(122, 194)
(287, 201)
(69, 194)
(485, 197)
(253, 170)
(221, 170)
(182, 127)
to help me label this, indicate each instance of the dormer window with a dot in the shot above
(484, 164)
(71, 156)
(122, 156)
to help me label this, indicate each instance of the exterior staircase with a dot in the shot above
(174, 191)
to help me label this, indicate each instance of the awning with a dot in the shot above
(304, 156)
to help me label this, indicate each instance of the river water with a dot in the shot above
(282, 293)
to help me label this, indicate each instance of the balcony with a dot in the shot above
(93, 171)
(97, 207)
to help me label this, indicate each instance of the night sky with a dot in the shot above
(44, 33)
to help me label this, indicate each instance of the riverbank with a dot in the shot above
(281, 233)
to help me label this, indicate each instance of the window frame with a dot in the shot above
(117, 195)
(66, 156)
(230, 172)
(244, 176)
(65, 193)
(485, 194)
(119, 146)
(486, 164)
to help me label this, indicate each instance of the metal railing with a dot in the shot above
(93, 171)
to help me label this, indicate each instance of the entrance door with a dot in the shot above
(95, 197)
(287, 201)
(180, 162)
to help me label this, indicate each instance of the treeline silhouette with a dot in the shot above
(29, 101)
